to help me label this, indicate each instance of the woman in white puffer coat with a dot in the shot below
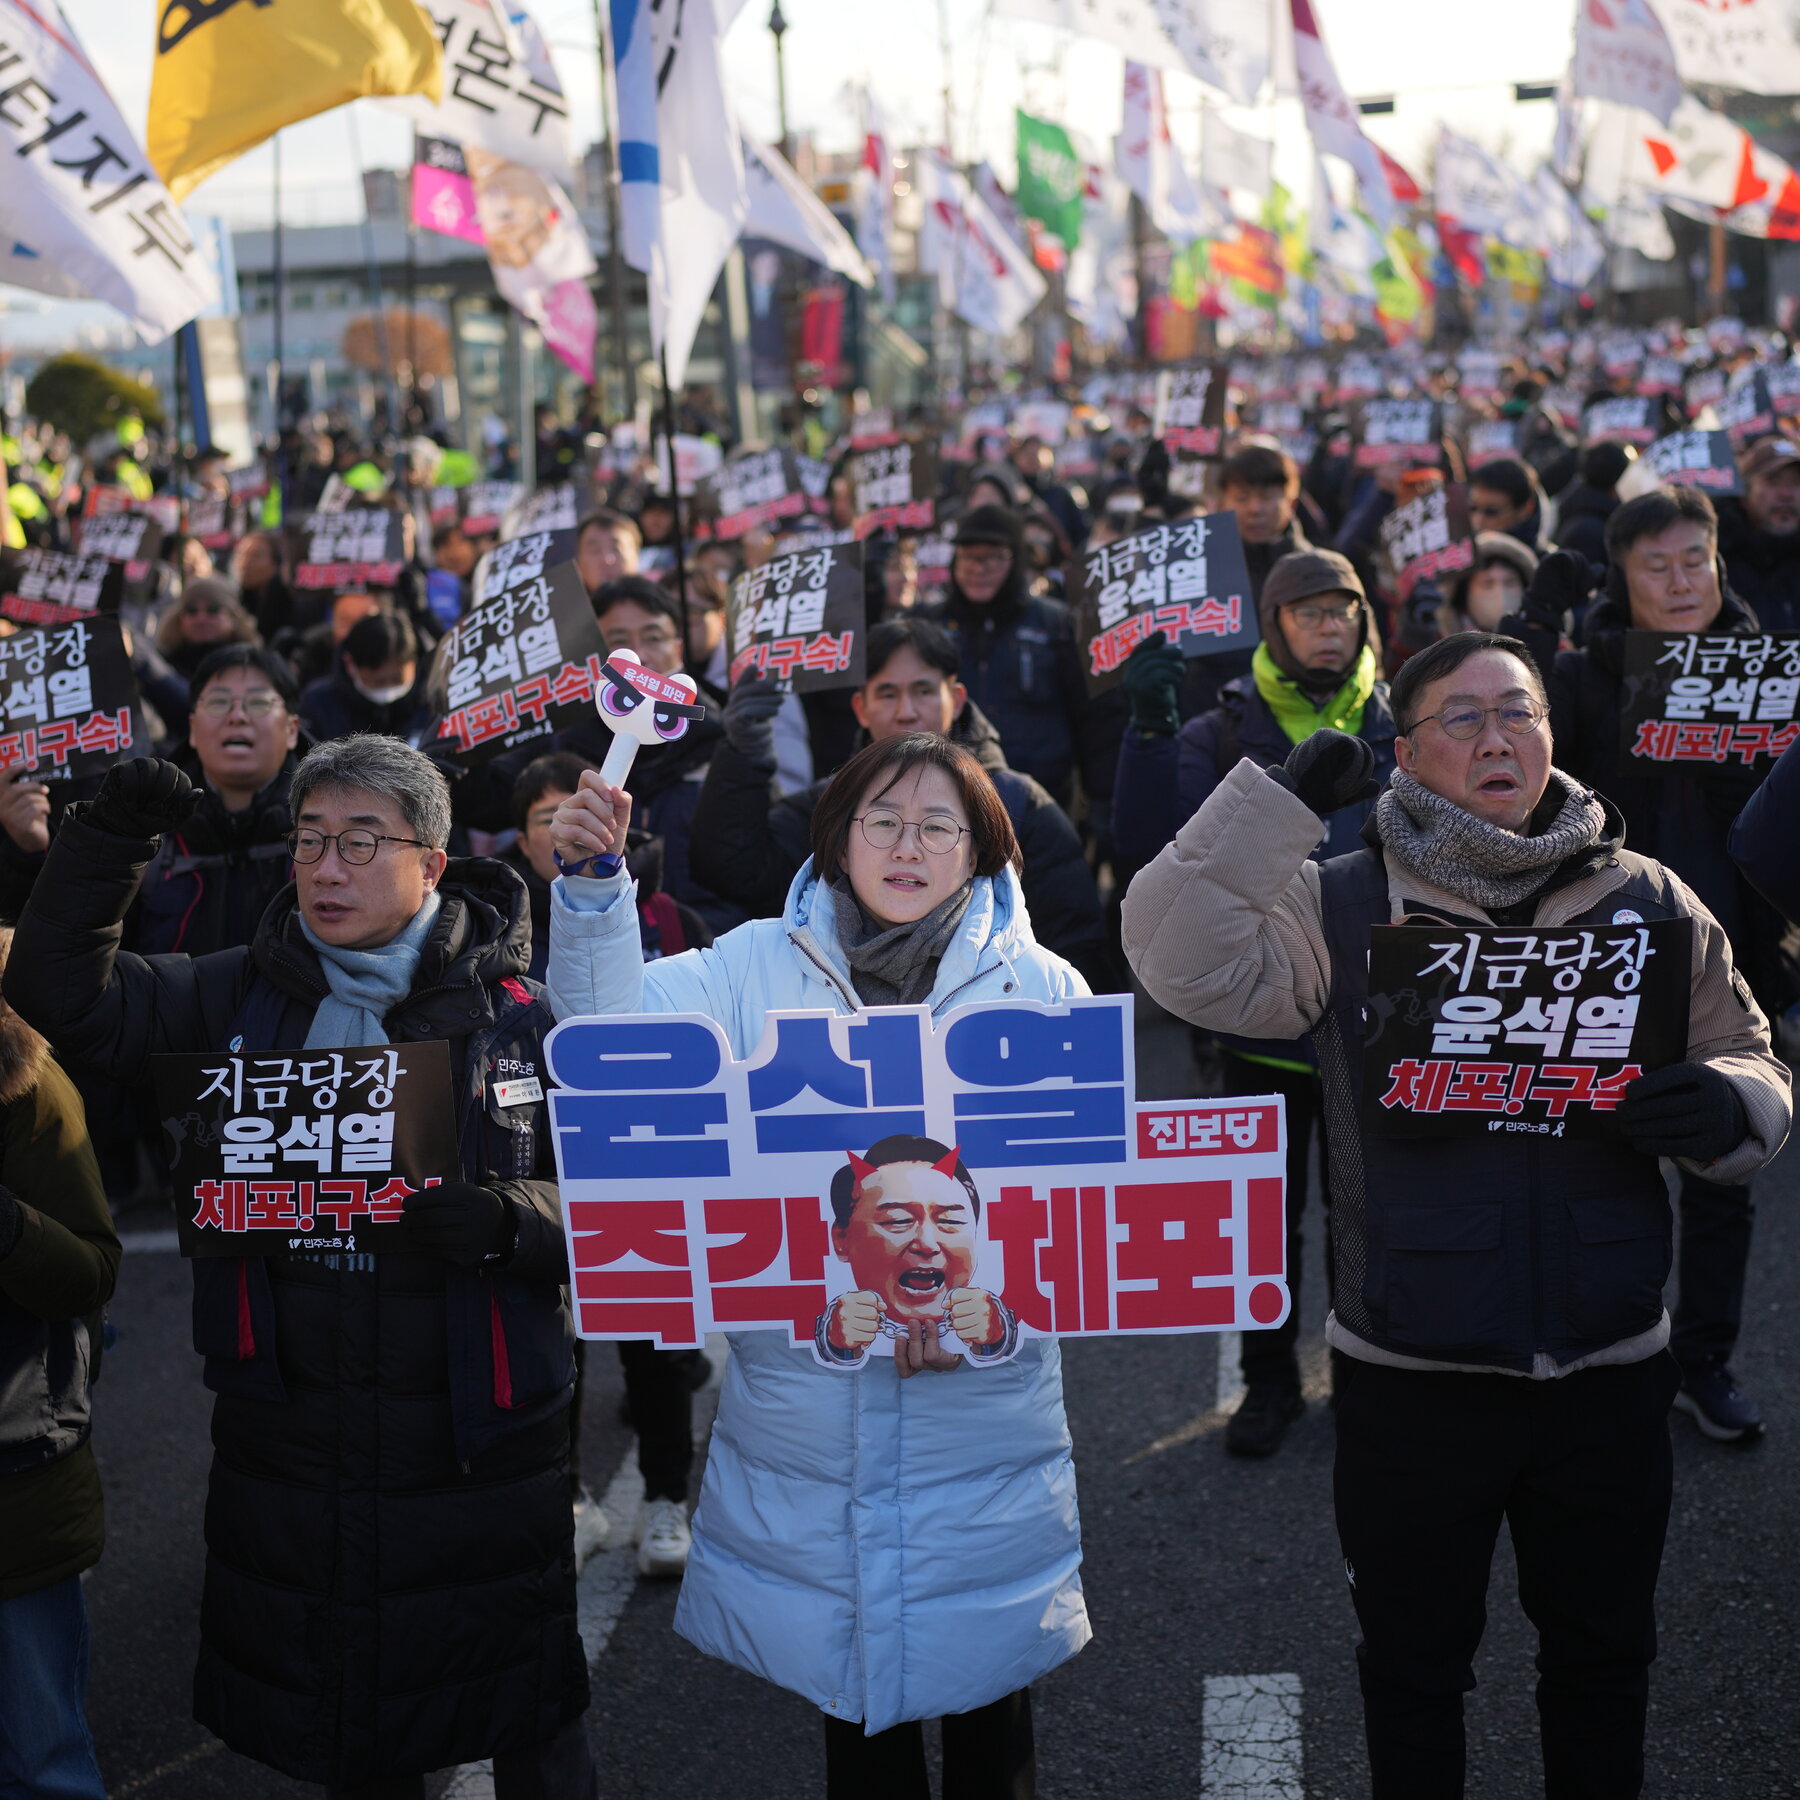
(898, 1542)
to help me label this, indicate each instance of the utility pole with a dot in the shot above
(778, 30)
(615, 248)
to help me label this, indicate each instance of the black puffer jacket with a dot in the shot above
(334, 707)
(1581, 516)
(390, 1581)
(748, 846)
(1764, 568)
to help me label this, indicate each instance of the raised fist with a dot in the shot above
(853, 1321)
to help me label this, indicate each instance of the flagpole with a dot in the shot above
(383, 354)
(615, 250)
(280, 277)
(668, 396)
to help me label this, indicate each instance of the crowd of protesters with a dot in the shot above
(303, 862)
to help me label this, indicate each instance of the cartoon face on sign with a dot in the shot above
(907, 1220)
(640, 706)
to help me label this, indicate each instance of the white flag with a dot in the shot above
(1635, 222)
(1481, 194)
(501, 89)
(786, 211)
(1230, 158)
(875, 196)
(1699, 156)
(1150, 164)
(81, 202)
(681, 165)
(1225, 43)
(1101, 285)
(1332, 118)
(1752, 45)
(1574, 250)
(984, 278)
(1623, 54)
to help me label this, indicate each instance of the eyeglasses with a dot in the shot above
(1310, 618)
(883, 830)
(983, 559)
(198, 609)
(352, 846)
(648, 640)
(257, 706)
(1518, 717)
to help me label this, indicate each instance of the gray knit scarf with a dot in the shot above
(1438, 841)
(895, 965)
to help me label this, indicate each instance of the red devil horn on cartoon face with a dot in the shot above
(859, 1168)
(946, 1165)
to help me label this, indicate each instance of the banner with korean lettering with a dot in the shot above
(895, 486)
(991, 1178)
(364, 547)
(1187, 580)
(1491, 1028)
(801, 618)
(68, 700)
(486, 504)
(53, 587)
(1625, 419)
(516, 561)
(1399, 431)
(750, 489)
(1747, 412)
(310, 1151)
(1190, 410)
(518, 667)
(1691, 698)
(1428, 538)
(1702, 459)
(553, 508)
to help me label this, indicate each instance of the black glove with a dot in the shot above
(1329, 770)
(459, 1221)
(750, 718)
(1152, 679)
(1688, 1109)
(12, 1223)
(142, 798)
(1560, 586)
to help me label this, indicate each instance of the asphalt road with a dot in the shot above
(1197, 1568)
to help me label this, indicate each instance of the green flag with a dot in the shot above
(1051, 179)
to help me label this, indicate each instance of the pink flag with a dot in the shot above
(443, 196)
(571, 324)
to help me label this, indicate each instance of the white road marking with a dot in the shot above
(1231, 1375)
(611, 1573)
(1250, 1738)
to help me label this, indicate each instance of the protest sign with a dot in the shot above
(1481, 374)
(1045, 420)
(801, 618)
(1705, 387)
(1399, 431)
(485, 505)
(311, 1151)
(1689, 697)
(515, 561)
(519, 666)
(701, 1193)
(1626, 419)
(53, 587)
(1427, 538)
(1190, 410)
(554, 508)
(1494, 1028)
(934, 555)
(68, 700)
(1660, 375)
(1357, 378)
(1187, 580)
(210, 519)
(121, 537)
(1747, 412)
(364, 547)
(1489, 438)
(695, 459)
(749, 490)
(895, 485)
(1701, 459)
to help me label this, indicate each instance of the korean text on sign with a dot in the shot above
(67, 699)
(799, 617)
(1692, 697)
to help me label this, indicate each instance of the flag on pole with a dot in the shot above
(786, 211)
(681, 166)
(1701, 157)
(1480, 194)
(227, 78)
(1230, 158)
(1101, 287)
(875, 196)
(1635, 222)
(1225, 43)
(82, 211)
(1332, 118)
(1623, 54)
(984, 276)
(1052, 178)
(1574, 251)
(1151, 165)
(1750, 45)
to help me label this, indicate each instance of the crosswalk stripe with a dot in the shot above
(1250, 1738)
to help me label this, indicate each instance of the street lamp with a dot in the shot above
(778, 30)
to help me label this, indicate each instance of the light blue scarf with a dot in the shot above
(366, 984)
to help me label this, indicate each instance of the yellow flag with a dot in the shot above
(230, 73)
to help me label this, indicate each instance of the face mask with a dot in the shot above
(385, 696)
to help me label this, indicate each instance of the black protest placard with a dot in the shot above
(752, 489)
(1489, 438)
(1399, 431)
(1690, 698)
(519, 666)
(210, 519)
(364, 547)
(1625, 419)
(1480, 1030)
(514, 562)
(801, 618)
(1187, 580)
(1190, 410)
(553, 508)
(317, 1150)
(1701, 459)
(68, 700)
(54, 587)
(1428, 538)
(485, 506)
(131, 538)
(895, 485)
(1747, 412)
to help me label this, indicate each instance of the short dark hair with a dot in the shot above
(1507, 475)
(442, 534)
(274, 669)
(1602, 465)
(846, 1188)
(640, 590)
(1444, 657)
(559, 772)
(933, 645)
(382, 637)
(609, 518)
(1650, 515)
(1259, 466)
(878, 767)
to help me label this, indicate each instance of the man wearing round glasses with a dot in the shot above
(1498, 1315)
(390, 1488)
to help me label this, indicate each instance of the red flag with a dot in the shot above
(1784, 214)
(1406, 190)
